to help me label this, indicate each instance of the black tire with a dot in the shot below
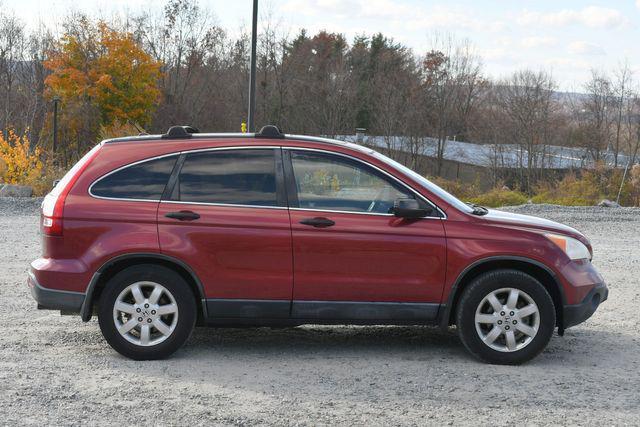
(171, 281)
(482, 286)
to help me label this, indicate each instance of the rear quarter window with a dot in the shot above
(142, 181)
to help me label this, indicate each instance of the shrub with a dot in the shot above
(462, 190)
(44, 183)
(20, 164)
(587, 189)
(500, 196)
(496, 197)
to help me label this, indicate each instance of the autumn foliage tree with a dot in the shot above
(19, 163)
(103, 78)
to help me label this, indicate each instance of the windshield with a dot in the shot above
(430, 186)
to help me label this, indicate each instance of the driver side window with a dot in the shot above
(330, 182)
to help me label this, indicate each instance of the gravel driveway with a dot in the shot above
(58, 370)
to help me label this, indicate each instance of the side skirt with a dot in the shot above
(239, 313)
(387, 311)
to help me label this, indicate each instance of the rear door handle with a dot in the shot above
(183, 215)
(318, 222)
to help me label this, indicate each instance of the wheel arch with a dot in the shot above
(119, 263)
(545, 275)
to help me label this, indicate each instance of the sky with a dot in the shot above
(568, 38)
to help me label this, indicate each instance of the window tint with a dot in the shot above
(141, 181)
(336, 183)
(238, 177)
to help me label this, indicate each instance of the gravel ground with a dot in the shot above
(58, 370)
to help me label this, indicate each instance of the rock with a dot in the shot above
(11, 190)
(505, 188)
(605, 203)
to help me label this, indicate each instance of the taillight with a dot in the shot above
(53, 203)
(52, 214)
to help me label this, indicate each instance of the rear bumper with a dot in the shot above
(53, 299)
(578, 313)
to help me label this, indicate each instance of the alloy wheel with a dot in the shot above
(145, 313)
(507, 319)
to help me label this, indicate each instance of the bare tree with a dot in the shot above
(622, 92)
(527, 101)
(597, 113)
(190, 47)
(13, 48)
(491, 127)
(451, 80)
(632, 116)
(41, 41)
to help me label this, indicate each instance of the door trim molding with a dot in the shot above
(227, 308)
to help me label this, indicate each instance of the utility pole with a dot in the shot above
(56, 100)
(252, 74)
(624, 176)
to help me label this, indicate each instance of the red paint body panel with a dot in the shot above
(368, 258)
(236, 252)
(578, 278)
(96, 231)
(477, 239)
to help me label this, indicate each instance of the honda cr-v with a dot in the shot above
(156, 234)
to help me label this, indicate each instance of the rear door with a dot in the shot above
(226, 217)
(353, 259)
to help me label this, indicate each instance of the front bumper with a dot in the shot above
(578, 313)
(52, 299)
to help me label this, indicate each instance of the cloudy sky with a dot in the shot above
(566, 37)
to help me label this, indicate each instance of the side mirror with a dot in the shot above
(408, 208)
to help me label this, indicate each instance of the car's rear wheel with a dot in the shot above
(146, 312)
(505, 317)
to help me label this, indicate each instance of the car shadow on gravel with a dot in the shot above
(582, 346)
(334, 340)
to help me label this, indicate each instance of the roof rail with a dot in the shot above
(179, 132)
(270, 131)
(267, 132)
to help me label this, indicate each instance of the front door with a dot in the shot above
(226, 217)
(352, 258)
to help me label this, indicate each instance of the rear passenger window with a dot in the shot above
(236, 177)
(142, 181)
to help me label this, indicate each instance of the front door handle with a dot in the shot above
(183, 215)
(318, 222)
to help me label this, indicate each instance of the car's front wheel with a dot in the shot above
(505, 317)
(146, 312)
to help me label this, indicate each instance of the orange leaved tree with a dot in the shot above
(102, 76)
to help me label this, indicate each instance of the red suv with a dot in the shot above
(156, 234)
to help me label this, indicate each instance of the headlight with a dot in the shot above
(572, 247)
